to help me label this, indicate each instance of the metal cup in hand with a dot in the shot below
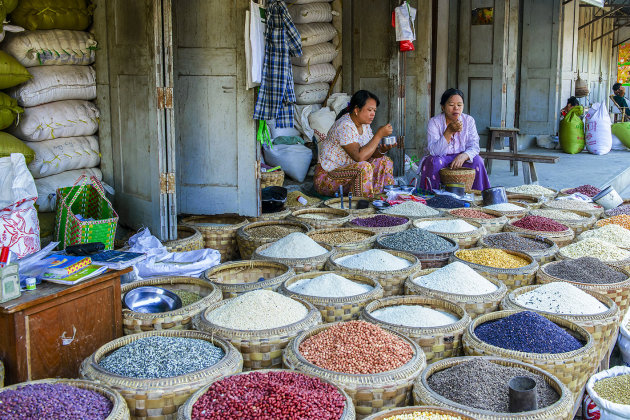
(522, 394)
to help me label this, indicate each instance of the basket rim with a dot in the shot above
(277, 331)
(442, 255)
(500, 291)
(525, 210)
(612, 308)
(526, 235)
(184, 310)
(580, 237)
(626, 272)
(460, 311)
(594, 211)
(519, 355)
(275, 216)
(242, 231)
(192, 400)
(564, 395)
(385, 414)
(498, 215)
(415, 262)
(234, 264)
(623, 262)
(461, 169)
(369, 239)
(321, 300)
(479, 229)
(568, 232)
(367, 216)
(119, 406)
(191, 238)
(195, 221)
(553, 193)
(330, 248)
(532, 266)
(92, 361)
(342, 213)
(418, 355)
(586, 216)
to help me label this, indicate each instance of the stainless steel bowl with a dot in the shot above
(151, 300)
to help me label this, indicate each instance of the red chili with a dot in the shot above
(539, 223)
(270, 396)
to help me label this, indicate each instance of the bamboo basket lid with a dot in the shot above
(560, 410)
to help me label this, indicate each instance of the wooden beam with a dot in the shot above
(584, 25)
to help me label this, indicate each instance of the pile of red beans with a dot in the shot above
(587, 190)
(539, 223)
(281, 395)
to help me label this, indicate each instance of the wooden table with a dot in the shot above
(48, 332)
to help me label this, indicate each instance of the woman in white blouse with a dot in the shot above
(453, 141)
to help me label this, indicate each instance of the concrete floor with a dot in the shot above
(571, 170)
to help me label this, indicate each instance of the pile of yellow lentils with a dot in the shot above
(492, 257)
(418, 415)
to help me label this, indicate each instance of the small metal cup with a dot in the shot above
(522, 394)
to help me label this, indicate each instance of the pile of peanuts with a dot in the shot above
(492, 257)
(356, 347)
(622, 220)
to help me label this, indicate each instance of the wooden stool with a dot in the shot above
(495, 138)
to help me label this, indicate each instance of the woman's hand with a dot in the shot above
(459, 161)
(385, 131)
(454, 127)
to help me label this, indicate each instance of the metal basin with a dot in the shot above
(151, 300)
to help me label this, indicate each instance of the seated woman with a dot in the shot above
(351, 156)
(453, 141)
(572, 102)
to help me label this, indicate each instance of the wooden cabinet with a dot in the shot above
(48, 332)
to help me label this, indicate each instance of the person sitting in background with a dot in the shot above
(352, 156)
(619, 98)
(453, 141)
(571, 102)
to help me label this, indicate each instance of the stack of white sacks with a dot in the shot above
(59, 122)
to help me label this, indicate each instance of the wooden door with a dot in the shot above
(135, 126)
(481, 64)
(216, 139)
(539, 105)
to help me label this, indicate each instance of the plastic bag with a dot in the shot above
(617, 144)
(608, 409)
(19, 226)
(572, 131)
(622, 131)
(405, 16)
(293, 158)
(160, 262)
(598, 130)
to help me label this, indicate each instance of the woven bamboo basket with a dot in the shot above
(606, 216)
(543, 256)
(335, 203)
(379, 230)
(578, 226)
(221, 238)
(299, 265)
(271, 179)
(335, 309)
(513, 214)
(475, 305)
(525, 200)
(464, 176)
(494, 225)
(119, 408)
(560, 410)
(370, 393)
(427, 260)
(261, 349)
(619, 263)
(464, 240)
(597, 212)
(149, 399)
(238, 277)
(603, 326)
(268, 217)
(334, 217)
(180, 319)
(437, 342)
(384, 415)
(618, 292)
(185, 411)
(561, 239)
(188, 239)
(362, 245)
(391, 281)
(513, 278)
(247, 243)
(572, 368)
(544, 197)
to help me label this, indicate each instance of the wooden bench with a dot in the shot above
(529, 169)
(495, 143)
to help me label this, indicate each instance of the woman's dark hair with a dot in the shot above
(358, 100)
(616, 87)
(572, 101)
(448, 93)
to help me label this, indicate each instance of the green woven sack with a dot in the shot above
(9, 110)
(9, 5)
(12, 73)
(52, 14)
(572, 131)
(10, 144)
(622, 131)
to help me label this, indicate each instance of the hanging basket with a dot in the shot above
(437, 342)
(221, 238)
(581, 87)
(160, 398)
(238, 277)
(542, 256)
(560, 410)
(247, 243)
(475, 305)
(180, 319)
(188, 239)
